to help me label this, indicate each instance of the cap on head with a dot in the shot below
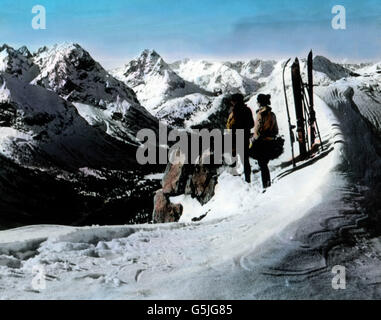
(264, 99)
(237, 98)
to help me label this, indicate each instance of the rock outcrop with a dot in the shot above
(198, 181)
(164, 210)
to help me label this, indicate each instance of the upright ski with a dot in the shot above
(297, 86)
(314, 129)
(290, 126)
(310, 89)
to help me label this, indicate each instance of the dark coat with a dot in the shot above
(241, 118)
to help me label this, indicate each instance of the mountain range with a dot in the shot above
(68, 122)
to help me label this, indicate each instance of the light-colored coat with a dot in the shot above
(266, 126)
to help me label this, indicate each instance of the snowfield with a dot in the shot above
(178, 261)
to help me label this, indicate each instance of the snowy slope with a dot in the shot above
(178, 111)
(40, 128)
(154, 81)
(366, 93)
(164, 261)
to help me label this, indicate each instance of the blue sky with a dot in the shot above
(117, 30)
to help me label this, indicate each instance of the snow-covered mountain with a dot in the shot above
(227, 77)
(18, 63)
(253, 69)
(39, 128)
(370, 68)
(178, 91)
(326, 71)
(102, 100)
(71, 72)
(154, 81)
(56, 106)
(177, 111)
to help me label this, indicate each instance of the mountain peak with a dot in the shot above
(24, 51)
(41, 50)
(333, 70)
(154, 81)
(70, 71)
(17, 63)
(67, 46)
(150, 57)
(65, 54)
(148, 63)
(61, 51)
(150, 53)
(5, 47)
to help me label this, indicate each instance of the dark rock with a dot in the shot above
(334, 71)
(8, 114)
(198, 181)
(165, 211)
(203, 181)
(39, 119)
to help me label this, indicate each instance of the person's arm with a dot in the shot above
(230, 122)
(251, 123)
(258, 126)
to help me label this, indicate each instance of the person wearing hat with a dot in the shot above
(241, 117)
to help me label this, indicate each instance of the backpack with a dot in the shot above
(267, 149)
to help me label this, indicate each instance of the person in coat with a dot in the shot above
(241, 117)
(265, 132)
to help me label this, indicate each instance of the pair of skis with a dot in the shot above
(306, 123)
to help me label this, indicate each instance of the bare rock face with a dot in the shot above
(197, 180)
(176, 176)
(202, 183)
(164, 210)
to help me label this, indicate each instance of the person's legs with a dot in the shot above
(266, 179)
(247, 169)
(246, 164)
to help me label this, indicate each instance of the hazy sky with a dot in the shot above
(116, 30)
